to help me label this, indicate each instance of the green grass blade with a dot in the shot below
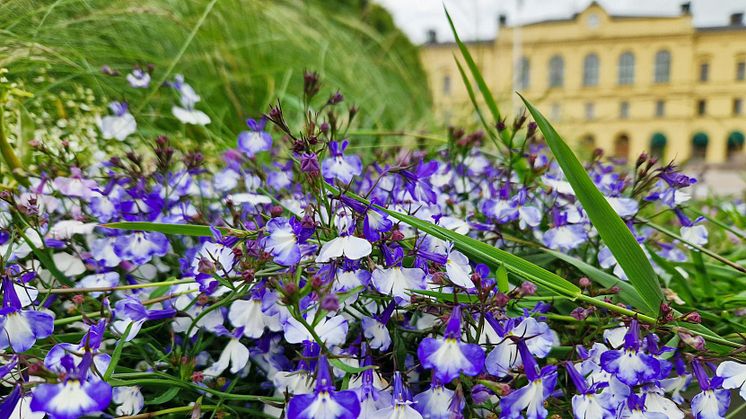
(611, 228)
(488, 98)
(473, 98)
(117, 354)
(174, 229)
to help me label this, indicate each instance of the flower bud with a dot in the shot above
(584, 282)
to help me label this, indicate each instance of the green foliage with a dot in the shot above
(244, 55)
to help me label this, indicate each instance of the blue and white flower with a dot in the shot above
(325, 402)
(120, 125)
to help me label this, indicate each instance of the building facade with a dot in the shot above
(626, 84)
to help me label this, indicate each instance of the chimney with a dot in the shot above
(502, 20)
(432, 36)
(686, 8)
(736, 19)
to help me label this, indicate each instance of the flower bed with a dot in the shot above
(295, 279)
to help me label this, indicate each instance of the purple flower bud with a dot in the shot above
(330, 302)
(309, 163)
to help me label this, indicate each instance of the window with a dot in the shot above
(699, 146)
(589, 111)
(704, 72)
(621, 147)
(660, 108)
(524, 73)
(624, 110)
(626, 68)
(658, 145)
(447, 85)
(662, 66)
(701, 107)
(741, 71)
(590, 70)
(738, 106)
(556, 71)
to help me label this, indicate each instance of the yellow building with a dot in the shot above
(626, 84)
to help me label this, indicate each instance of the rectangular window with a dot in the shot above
(701, 107)
(741, 71)
(524, 73)
(624, 110)
(660, 108)
(589, 111)
(447, 85)
(704, 72)
(738, 106)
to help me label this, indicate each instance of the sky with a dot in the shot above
(477, 19)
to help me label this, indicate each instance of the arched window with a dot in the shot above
(662, 66)
(626, 68)
(590, 70)
(524, 73)
(658, 145)
(735, 144)
(621, 147)
(699, 146)
(556, 71)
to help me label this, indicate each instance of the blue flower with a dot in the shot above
(396, 280)
(256, 139)
(435, 402)
(400, 403)
(20, 328)
(188, 98)
(504, 357)
(448, 356)
(734, 376)
(325, 402)
(564, 236)
(141, 246)
(713, 401)
(138, 78)
(77, 394)
(417, 183)
(339, 166)
(284, 239)
(588, 403)
(530, 397)
(630, 364)
(635, 409)
(120, 125)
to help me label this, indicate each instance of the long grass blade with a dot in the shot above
(175, 229)
(611, 228)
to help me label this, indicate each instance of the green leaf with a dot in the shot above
(337, 363)
(610, 227)
(167, 396)
(473, 98)
(502, 279)
(488, 99)
(175, 229)
(117, 353)
(448, 297)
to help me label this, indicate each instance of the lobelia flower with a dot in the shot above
(129, 400)
(339, 166)
(90, 343)
(99, 280)
(396, 280)
(713, 401)
(448, 356)
(131, 311)
(235, 354)
(188, 98)
(635, 408)
(588, 403)
(734, 376)
(417, 182)
(120, 125)
(331, 330)
(138, 78)
(284, 239)
(248, 315)
(256, 139)
(504, 357)
(75, 186)
(656, 402)
(435, 402)
(531, 397)
(676, 385)
(458, 268)
(349, 246)
(401, 402)
(20, 328)
(374, 328)
(141, 246)
(375, 221)
(77, 394)
(564, 236)
(630, 364)
(690, 231)
(325, 402)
